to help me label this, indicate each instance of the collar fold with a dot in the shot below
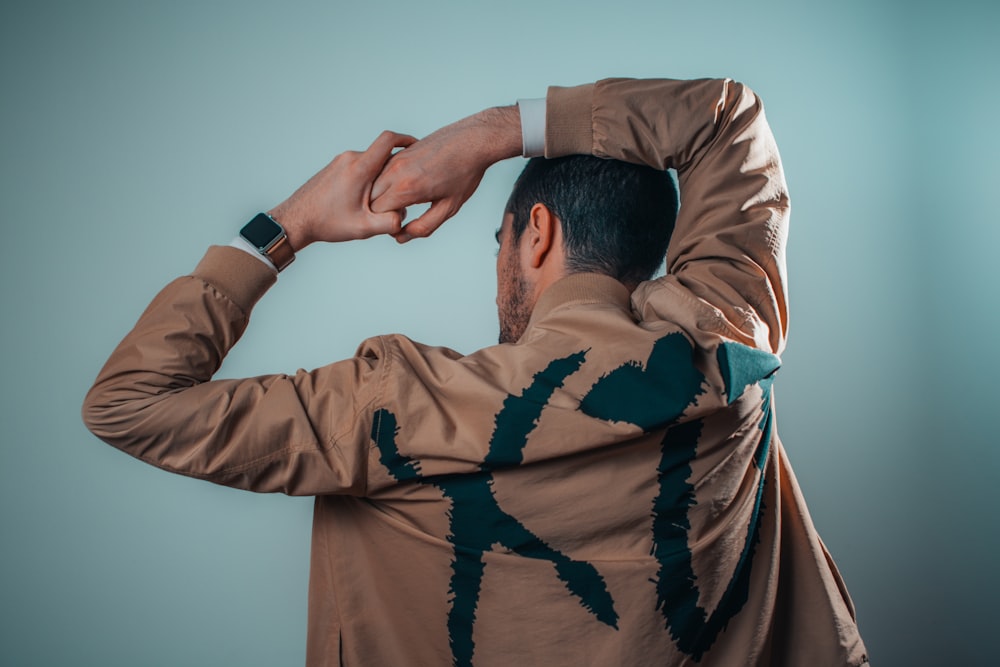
(580, 288)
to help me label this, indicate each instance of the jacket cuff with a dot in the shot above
(235, 273)
(568, 121)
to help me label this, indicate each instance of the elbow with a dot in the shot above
(98, 413)
(112, 415)
(93, 411)
(130, 420)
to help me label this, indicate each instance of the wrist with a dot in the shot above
(503, 126)
(295, 228)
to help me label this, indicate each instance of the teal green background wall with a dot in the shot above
(133, 135)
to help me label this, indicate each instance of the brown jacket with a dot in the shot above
(609, 490)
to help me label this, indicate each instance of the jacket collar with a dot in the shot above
(579, 288)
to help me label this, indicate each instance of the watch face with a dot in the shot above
(261, 231)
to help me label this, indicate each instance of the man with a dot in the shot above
(604, 487)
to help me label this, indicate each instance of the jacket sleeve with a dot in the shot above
(302, 434)
(728, 245)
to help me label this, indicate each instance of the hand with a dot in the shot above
(445, 168)
(334, 205)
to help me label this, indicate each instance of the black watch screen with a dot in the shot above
(261, 231)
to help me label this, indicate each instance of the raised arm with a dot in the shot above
(302, 434)
(728, 246)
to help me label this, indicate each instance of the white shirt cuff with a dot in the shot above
(244, 245)
(532, 126)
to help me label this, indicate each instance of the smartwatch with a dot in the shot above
(265, 234)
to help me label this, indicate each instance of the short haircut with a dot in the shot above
(616, 217)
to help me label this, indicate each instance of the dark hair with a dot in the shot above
(616, 217)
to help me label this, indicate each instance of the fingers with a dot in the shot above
(373, 159)
(372, 162)
(385, 198)
(387, 193)
(387, 222)
(428, 223)
(382, 184)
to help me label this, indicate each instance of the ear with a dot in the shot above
(542, 234)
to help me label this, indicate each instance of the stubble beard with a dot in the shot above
(513, 310)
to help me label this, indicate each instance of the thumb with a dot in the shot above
(389, 222)
(426, 224)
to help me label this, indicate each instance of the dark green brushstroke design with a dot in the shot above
(743, 366)
(677, 593)
(519, 415)
(692, 627)
(676, 588)
(384, 431)
(656, 396)
(476, 520)
(651, 397)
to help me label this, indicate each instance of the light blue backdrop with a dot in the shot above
(133, 135)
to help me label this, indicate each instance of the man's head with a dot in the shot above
(611, 217)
